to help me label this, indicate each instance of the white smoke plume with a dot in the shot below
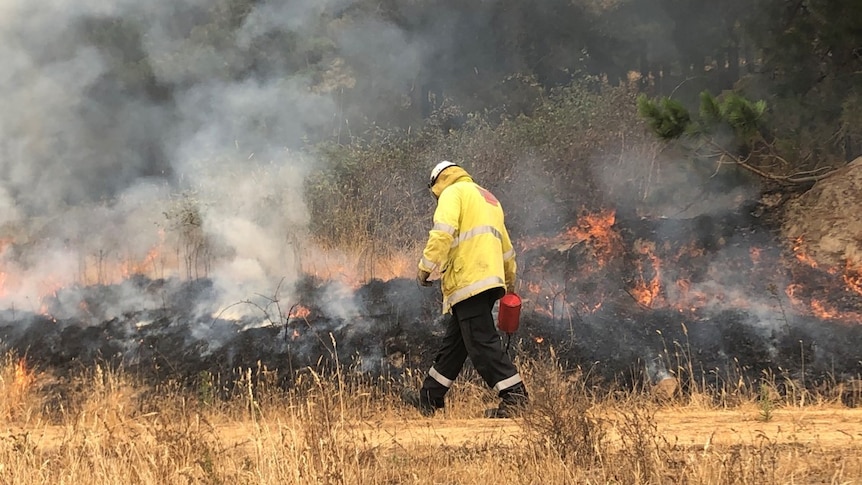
(150, 154)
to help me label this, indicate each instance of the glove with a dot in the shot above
(422, 278)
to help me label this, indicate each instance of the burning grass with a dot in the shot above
(694, 362)
(102, 426)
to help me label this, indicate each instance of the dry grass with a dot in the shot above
(101, 427)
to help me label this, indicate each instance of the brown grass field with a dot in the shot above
(101, 427)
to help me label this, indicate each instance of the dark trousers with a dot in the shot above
(471, 332)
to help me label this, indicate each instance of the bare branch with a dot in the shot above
(725, 157)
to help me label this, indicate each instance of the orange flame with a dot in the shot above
(355, 269)
(145, 266)
(647, 292)
(791, 290)
(853, 279)
(850, 275)
(22, 378)
(47, 290)
(299, 311)
(591, 308)
(689, 299)
(800, 253)
(597, 228)
(821, 310)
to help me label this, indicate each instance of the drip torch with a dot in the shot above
(509, 315)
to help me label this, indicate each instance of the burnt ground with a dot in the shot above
(734, 320)
(373, 324)
(734, 301)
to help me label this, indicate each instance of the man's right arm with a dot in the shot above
(510, 264)
(441, 235)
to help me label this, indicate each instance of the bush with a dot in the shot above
(577, 149)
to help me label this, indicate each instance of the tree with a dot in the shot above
(809, 64)
(729, 129)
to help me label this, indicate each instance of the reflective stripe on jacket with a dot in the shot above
(468, 243)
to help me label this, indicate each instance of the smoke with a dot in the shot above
(160, 138)
(163, 139)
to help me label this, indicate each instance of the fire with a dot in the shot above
(689, 299)
(820, 310)
(3, 244)
(16, 382)
(598, 229)
(852, 277)
(47, 290)
(22, 377)
(144, 266)
(818, 307)
(801, 255)
(344, 274)
(595, 228)
(42, 283)
(102, 269)
(647, 265)
(356, 268)
(791, 291)
(591, 308)
(647, 292)
(299, 311)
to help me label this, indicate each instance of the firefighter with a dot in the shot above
(470, 247)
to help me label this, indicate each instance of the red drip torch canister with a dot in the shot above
(509, 314)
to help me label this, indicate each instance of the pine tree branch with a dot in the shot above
(796, 178)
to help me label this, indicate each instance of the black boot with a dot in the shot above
(513, 402)
(417, 400)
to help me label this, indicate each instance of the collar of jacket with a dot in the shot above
(449, 177)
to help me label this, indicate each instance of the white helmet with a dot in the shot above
(438, 169)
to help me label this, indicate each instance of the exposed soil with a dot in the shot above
(830, 428)
(825, 220)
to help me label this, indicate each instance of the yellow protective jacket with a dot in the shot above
(468, 243)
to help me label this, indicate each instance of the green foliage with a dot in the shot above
(206, 388)
(809, 66)
(667, 118)
(710, 111)
(766, 403)
(729, 130)
(743, 116)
